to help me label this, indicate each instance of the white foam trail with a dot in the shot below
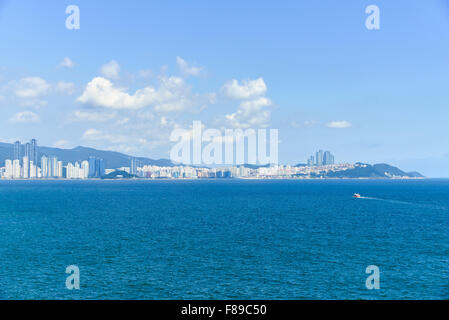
(408, 203)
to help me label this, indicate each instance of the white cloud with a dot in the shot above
(305, 124)
(123, 121)
(102, 93)
(139, 133)
(172, 95)
(92, 116)
(186, 69)
(251, 113)
(111, 70)
(92, 134)
(33, 103)
(30, 87)
(66, 63)
(65, 87)
(31, 90)
(339, 124)
(145, 73)
(24, 117)
(246, 90)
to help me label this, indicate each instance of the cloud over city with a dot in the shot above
(24, 117)
(339, 124)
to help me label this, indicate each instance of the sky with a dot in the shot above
(136, 70)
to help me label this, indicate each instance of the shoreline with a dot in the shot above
(227, 179)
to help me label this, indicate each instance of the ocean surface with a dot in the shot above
(224, 239)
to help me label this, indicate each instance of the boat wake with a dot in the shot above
(406, 203)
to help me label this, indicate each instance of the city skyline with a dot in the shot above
(25, 164)
(321, 158)
(30, 151)
(322, 165)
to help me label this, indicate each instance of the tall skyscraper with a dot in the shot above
(99, 168)
(85, 167)
(319, 158)
(96, 167)
(27, 150)
(25, 168)
(328, 158)
(322, 158)
(16, 174)
(9, 169)
(33, 170)
(33, 151)
(17, 150)
(311, 161)
(44, 166)
(59, 170)
(53, 167)
(92, 164)
(133, 166)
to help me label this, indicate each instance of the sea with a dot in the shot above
(225, 239)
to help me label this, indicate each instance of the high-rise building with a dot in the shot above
(311, 161)
(8, 169)
(319, 158)
(328, 158)
(96, 167)
(322, 158)
(50, 168)
(16, 169)
(53, 167)
(99, 168)
(85, 168)
(133, 166)
(77, 171)
(27, 150)
(44, 167)
(33, 170)
(33, 151)
(59, 170)
(70, 171)
(92, 164)
(25, 168)
(17, 150)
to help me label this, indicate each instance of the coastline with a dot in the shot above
(227, 179)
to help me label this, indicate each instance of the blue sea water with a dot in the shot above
(224, 239)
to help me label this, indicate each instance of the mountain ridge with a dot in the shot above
(112, 159)
(379, 170)
(115, 159)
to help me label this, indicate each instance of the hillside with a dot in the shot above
(118, 174)
(380, 170)
(112, 159)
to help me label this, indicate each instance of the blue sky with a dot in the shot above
(309, 68)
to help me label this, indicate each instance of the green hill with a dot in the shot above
(380, 170)
(112, 159)
(118, 174)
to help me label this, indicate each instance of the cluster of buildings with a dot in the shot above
(269, 172)
(317, 165)
(26, 165)
(321, 158)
